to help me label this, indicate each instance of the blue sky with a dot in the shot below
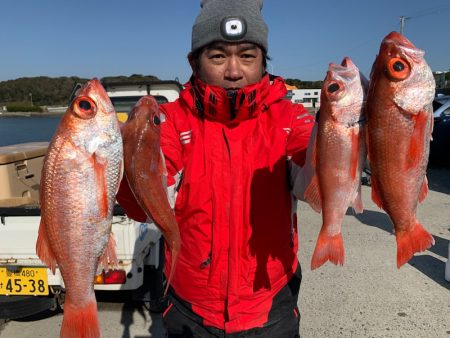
(99, 38)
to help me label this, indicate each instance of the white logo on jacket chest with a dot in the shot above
(185, 137)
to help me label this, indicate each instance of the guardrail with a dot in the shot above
(56, 109)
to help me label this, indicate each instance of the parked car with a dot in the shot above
(440, 145)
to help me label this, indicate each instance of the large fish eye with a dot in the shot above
(84, 107)
(333, 87)
(398, 69)
(398, 66)
(156, 120)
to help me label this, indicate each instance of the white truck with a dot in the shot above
(27, 286)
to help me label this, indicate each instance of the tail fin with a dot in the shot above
(328, 248)
(174, 251)
(409, 242)
(80, 322)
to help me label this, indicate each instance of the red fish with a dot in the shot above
(80, 178)
(400, 123)
(338, 156)
(145, 171)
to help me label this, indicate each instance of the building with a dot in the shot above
(442, 79)
(310, 98)
(439, 77)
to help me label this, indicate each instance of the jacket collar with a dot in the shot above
(216, 104)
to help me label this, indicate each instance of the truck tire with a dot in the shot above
(157, 283)
(366, 174)
(18, 307)
(151, 293)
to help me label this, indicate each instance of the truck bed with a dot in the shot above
(20, 173)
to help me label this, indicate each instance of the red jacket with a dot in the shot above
(234, 206)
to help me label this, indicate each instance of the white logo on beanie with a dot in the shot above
(234, 27)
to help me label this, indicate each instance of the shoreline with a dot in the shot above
(30, 114)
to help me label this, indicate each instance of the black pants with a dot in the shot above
(283, 320)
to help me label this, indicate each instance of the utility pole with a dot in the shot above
(402, 23)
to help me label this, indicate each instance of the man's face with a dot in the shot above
(229, 65)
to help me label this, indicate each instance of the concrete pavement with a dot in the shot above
(369, 296)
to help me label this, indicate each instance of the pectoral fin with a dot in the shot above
(109, 257)
(424, 190)
(357, 203)
(376, 193)
(313, 196)
(355, 153)
(417, 142)
(312, 193)
(99, 165)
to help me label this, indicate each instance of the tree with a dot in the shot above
(304, 84)
(47, 91)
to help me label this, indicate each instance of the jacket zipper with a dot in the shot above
(206, 262)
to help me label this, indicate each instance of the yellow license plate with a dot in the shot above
(24, 281)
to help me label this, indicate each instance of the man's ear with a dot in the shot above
(193, 63)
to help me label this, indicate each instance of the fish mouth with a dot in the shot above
(145, 106)
(399, 39)
(146, 100)
(339, 74)
(94, 90)
(347, 63)
(396, 43)
(347, 67)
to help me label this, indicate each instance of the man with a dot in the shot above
(232, 145)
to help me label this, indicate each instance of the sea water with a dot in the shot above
(20, 129)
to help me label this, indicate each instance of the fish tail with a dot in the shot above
(328, 248)
(174, 250)
(409, 242)
(80, 322)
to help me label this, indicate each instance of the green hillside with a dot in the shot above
(48, 91)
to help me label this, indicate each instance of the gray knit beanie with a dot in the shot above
(230, 21)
